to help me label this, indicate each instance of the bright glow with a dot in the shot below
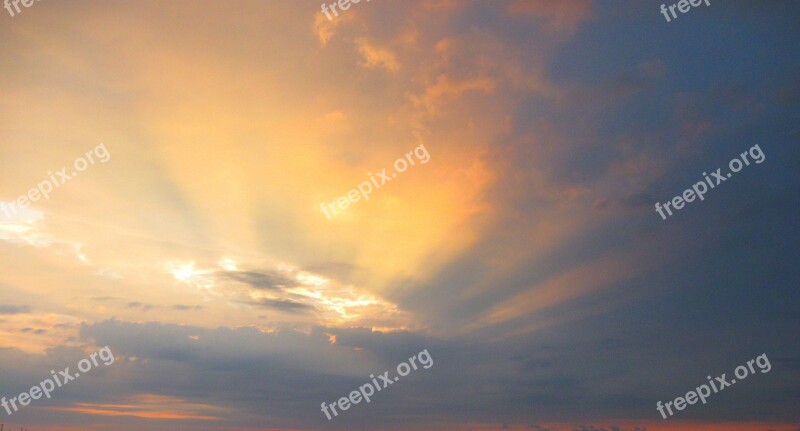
(228, 264)
(183, 273)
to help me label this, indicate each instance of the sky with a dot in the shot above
(199, 159)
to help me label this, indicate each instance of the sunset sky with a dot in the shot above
(525, 254)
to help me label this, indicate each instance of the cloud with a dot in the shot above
(250, 370)
(149, 406)
(103, 298)
(374, 57)
(291, 290)
(14, 309)
(141, 306)
(181, 307)
(262, 280)
(282, 305)
(325, 28)
(447, 89)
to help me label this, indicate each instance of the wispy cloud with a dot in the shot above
(14, 309)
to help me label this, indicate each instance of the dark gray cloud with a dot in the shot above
(282, 305)
(292, 372)
(141, 306)
(181, 307)
(267, 280)
(14, 309)
(103, 298)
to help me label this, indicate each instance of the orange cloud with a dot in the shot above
(375, 57)
(149, 406)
